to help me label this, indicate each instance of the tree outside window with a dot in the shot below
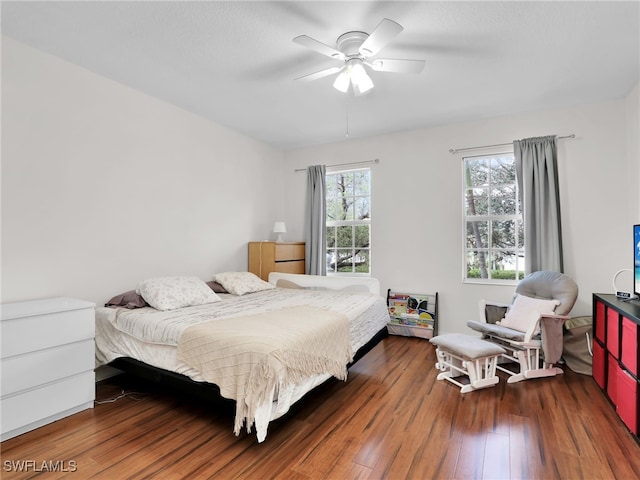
(348, 221)
(493, 229)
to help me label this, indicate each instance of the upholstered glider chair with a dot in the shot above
(531, 328)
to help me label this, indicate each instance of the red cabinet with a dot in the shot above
(599, 365)
(612, 379)
(627, 399)
(613, 331)
(629, 355)
(599, 310)
(616, 357)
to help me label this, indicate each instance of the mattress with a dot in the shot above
(151, 336)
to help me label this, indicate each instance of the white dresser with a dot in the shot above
(46, 362)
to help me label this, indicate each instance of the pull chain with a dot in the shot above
(347, 119)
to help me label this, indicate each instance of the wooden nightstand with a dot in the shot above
(267, 257)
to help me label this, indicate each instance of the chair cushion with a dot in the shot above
(497, 330)
(467, 346)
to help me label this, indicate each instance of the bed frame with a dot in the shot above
(203, 390)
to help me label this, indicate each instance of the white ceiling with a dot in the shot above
(234, 62)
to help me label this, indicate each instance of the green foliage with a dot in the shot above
(494, 229)
(496, 274)
(348, 214)
(348, 195)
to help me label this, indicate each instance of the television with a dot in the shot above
(636, 260)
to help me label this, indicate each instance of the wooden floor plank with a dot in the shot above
(524, 452)
(391, 420)
(496, 456)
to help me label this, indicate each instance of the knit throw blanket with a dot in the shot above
(249, 356)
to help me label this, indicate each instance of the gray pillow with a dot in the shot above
(128, 299)
(216, 287)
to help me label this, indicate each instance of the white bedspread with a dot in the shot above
(151, 336)
(165, 328)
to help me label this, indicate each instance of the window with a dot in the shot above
(493, 226)
(349, 222)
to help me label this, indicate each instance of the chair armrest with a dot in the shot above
(551, 328)
(544, 316)
(554, 315)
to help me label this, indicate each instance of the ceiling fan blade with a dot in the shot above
(322, 73)
(396, 65)
(319, 47)
(381, 35)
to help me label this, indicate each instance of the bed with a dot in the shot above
(264, 348)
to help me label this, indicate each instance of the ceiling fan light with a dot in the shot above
(342, 82)
(357, 70)
(360, 78)
(364, 83)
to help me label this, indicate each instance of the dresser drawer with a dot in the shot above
(286, 252)
(28, 334)
(56, 399)
(23, 372)
(290, 267)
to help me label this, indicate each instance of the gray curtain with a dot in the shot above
(537, 174)
(315, 228)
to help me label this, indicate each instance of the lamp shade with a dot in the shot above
(342, 82)
(360, 79)
(354, 74)
(279, 228)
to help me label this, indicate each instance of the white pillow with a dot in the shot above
(169, 293)
(239, 283)
(524, 311)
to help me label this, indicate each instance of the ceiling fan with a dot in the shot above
(354, 49)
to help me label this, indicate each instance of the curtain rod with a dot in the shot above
(377, 160)
(456, 150)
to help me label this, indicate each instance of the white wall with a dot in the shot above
(103, 186)
(417, 201)
(633, 150)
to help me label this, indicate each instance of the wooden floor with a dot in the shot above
(391, 419)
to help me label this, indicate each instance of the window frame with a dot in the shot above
(490, 219)
(353, 223)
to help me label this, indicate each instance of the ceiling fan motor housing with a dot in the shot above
(349, 43)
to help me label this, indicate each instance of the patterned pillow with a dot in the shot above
(239, 283)
(524, 311)
(169, 293)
